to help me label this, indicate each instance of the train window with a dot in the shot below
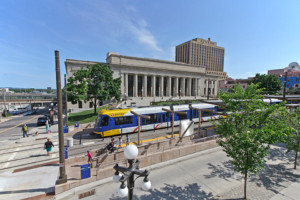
(104, 121)
(152, 120)
(123, 120)
(195, 113)
(181, 117)
(205, 114)
(164, 117)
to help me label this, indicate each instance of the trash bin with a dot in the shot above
(85, 171)
(69, 142)
(66, 129)
(66, 152)
(76, 124)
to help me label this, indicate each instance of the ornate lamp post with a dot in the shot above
(130, 152)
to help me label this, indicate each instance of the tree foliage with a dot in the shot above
(246, 133)
(96, 84)
(292, 139)
(268, 83)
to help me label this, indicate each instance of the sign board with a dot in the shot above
(85, 171)
(51, 112)
(76, 124)
(186, 127)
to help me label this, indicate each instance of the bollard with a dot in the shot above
(80, 139)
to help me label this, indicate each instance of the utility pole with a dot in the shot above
(284, 85)
(62, 169)
(66, 101)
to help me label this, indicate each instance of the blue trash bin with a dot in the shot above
(76, 124)
(66, 129)
(85, 171)
(66, 153)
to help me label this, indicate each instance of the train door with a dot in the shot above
(161, 118)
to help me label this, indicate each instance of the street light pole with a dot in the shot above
(130, 152)
(284, 85)
(62, 170)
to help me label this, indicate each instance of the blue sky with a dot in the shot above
(257, 35)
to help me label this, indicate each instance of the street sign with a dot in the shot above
(51, 112)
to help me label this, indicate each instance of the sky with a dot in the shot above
(257, 35)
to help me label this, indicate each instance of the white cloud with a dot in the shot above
(119, 21)
(144, 36)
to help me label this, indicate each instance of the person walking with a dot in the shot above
(127, 139)
(25, 130)
(89, 155)
(120, 141)
(47, 127)
(48, 146)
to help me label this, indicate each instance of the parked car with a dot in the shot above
(42, 121)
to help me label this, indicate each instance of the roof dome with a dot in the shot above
(293, 65)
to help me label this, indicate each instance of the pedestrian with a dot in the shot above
(25, 130)
(127, 139)
(120, 141)
(48, 146)
(89, 155)
(47, 127)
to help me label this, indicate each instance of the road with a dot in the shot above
(207, 175)
(12, 129)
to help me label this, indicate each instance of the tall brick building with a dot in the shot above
(203, 53)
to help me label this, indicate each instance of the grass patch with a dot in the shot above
(8, 115)
(162, 103)
(84, 116)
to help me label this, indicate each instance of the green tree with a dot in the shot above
(292, 139)
(246, 133)
(96, 84)
(269, 83)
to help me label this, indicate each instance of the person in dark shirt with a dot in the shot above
(48, 146)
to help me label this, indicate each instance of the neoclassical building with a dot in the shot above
(146, 80)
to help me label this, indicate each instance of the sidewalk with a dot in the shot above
(32, 182)
(205, 175)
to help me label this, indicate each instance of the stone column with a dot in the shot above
(176, 87)
(189, 87)
(182, 87)
(126, 84)
(216, 87)
(153, 85)
(169, 86)
(197, 87)
(135, 85)
(206, 86)
(161, 94)
(144, 86)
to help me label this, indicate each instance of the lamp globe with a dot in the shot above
(116, 177)
(123, 192)
(146, 185)
(131, 152)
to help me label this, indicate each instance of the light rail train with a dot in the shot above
(122, 121)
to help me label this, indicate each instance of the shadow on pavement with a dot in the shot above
(46, 190)
(191, 191)
(273, 178)
(225, 170)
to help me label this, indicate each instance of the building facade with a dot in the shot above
(204, 53)
(293, 75)
(147, 80)
(225, 85)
